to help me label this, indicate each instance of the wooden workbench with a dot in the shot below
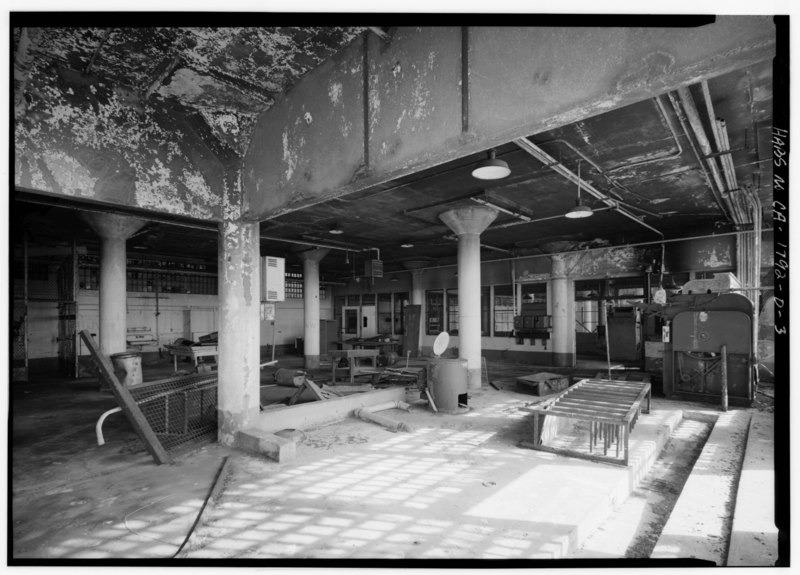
(356, 360)
(193, 352)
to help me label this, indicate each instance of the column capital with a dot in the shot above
(313, 255)
(113, 226)
(469, 219)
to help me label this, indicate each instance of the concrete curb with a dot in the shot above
(754, 537)
(594, 488)
(697, 525)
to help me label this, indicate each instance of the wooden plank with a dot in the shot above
(573, 453)
(613, 399)
(578, 416)
(566, 401)
(597, 414)
(126, 402)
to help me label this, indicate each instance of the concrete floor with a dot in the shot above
(457, 487)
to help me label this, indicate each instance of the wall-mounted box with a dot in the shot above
(273, 279)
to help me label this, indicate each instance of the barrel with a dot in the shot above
(447, 380)
(128, 367)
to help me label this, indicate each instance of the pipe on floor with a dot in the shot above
(99, 427)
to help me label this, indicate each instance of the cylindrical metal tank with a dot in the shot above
(447, 380)
(128, 367)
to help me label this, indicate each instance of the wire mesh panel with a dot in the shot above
(181, 411)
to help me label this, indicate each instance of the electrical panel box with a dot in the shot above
(373, 268)
(273, 279)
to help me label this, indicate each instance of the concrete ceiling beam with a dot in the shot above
(383, 110)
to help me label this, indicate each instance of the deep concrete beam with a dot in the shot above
(396, 108)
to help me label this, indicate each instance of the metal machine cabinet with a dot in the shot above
(625, 334)
(701, 326)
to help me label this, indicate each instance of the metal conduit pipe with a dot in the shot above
(693, 118)
(529, 221)
(755, 203)
(723, 205)
(634, 245)
(559, 168)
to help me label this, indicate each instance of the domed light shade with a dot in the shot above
(491, 168)
(579, 210)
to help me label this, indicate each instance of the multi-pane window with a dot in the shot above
(452, 311)
(485, 311)
(434, 310)
(503, 310)
(150, 274)
(293, 285)
(353, 299)
(338, 304)
(385, 313)
(400, 302)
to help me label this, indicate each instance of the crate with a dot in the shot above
(543, 383)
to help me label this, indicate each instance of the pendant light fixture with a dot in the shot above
(579, 210)
(491, 168)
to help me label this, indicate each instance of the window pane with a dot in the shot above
(400, 303)
(433, 312)
(452, 312)
(503, 310)
(485, 311)
(385, 313)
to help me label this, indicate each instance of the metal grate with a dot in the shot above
(181, 411)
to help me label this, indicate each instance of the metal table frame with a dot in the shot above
(611, 407)
(194, 353)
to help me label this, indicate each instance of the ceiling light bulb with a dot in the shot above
(335, 230)
(491, 168)
(406, 245)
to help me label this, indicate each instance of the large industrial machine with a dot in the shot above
(708, 343)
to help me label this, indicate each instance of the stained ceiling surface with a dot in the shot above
(643, 169)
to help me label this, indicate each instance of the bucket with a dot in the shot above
(128, 368)
(447, 382)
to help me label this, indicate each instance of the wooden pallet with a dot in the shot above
(610, 407)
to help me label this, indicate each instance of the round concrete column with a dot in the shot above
(238, 391)
(113, 230)
(311, 259)
(417, 289)
(468, 223)
(563, 328)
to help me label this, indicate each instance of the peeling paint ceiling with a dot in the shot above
(156, 114)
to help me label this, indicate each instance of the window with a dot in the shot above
(338, 304)
(400, 303)
(452, 311)
(385, 313)
(434, 304)
(351, 321)
(503, 311)
(485, 308)
(293, 285)
(627, 288)
(354, 299)
(368, 299)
